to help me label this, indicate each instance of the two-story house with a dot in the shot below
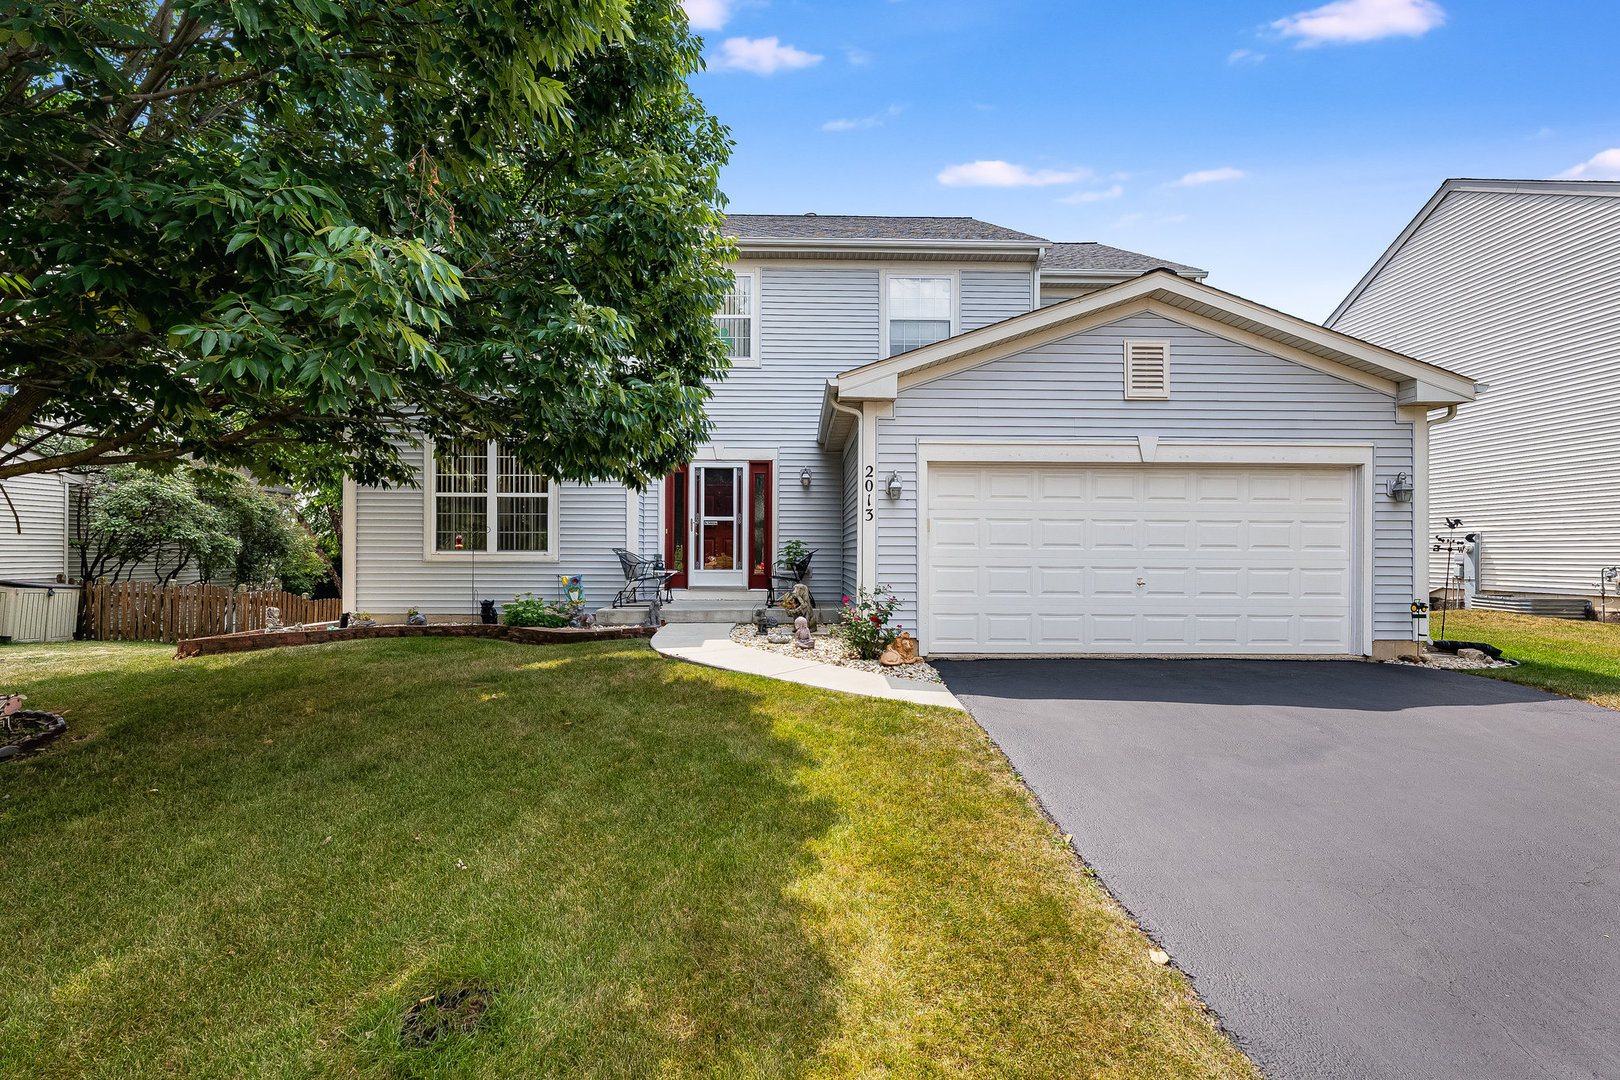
(1042, 448)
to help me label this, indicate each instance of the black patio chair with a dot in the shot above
(644, 579)
(787, 575)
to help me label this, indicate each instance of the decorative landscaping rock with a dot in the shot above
(829, 650)
(1470, 654)
(797, 604)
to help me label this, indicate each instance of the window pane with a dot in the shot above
(740, 300)
(908, 334)
(738, 335)
(521, 523)
(761, 557)
(462, 467)
(920, 298)
(464, 516)
(512, 478)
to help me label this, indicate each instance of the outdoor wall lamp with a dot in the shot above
(804, 477)
(1400, 488)
(893, 489)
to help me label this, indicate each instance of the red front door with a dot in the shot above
(757, 540)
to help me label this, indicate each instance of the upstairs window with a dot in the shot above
(477, 484)
(736, 321)
(919, 312)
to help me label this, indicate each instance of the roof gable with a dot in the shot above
(1089, 257)
(1411, 381)
(1526, 188)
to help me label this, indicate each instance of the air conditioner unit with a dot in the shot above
(38, 612)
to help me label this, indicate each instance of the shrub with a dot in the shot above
(529, 610)
(864, 626)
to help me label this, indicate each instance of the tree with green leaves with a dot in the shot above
(192, 523)
(279, 233)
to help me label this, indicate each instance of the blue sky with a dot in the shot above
(1281, 145)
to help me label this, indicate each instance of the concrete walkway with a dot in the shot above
(710, 644)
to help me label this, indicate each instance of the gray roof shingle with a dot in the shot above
(864, 227)
(1091, 255)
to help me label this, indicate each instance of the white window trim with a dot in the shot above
(430, 479)
(1130, 347)
(754, 276)
(955, 278)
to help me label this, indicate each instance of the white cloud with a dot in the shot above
(1209, 176)
(1346, 22)
(857, 57)
(1004, 174)
(707, 14)
(1245, 56)
(1604, 166)
(1094, 196)
(763, 56)
(861, 123)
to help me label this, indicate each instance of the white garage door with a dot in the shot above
(1139, 559)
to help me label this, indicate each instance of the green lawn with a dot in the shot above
(1577, 659)
(250, 866)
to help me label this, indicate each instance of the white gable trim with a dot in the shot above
(879, 387)
(1159, 292)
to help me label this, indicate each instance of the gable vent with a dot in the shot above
(1147, 369)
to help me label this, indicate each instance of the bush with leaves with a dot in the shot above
(864, 624)
(529, 610)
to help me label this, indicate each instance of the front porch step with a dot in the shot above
(693, 606)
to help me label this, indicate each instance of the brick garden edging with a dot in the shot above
(252, 640)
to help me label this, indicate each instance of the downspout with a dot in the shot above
(859, 417)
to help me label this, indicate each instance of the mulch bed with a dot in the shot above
(252, 640)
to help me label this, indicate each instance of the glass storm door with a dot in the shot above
(717, 526)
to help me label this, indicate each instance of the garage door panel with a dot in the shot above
(1125, 559)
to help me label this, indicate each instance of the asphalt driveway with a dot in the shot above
(1369, 870)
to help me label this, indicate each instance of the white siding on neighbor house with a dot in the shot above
(814, 323)
(1074, 390)
(988, 296)
(39, 552)
(391, 573)
(852, 486)
(1520, 291)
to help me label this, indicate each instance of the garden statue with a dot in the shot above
(906, 646)
(801, 633)
(486, 612)
(763, 620)
(414, 617)
(272, 619)
(797, 603)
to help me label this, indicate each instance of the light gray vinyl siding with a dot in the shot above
(814, 323)
(1520, 291)
(1074, 389)
(393, 574)
(852, 498)
(39, 551)
(989, 296)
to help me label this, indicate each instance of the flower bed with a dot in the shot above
(829, 650)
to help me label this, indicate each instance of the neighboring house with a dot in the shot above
(1144, 464)
(34, 527)
(1518, 281)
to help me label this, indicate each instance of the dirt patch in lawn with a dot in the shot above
(455, 1010)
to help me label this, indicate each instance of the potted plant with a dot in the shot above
(414, 617)
(362, 618)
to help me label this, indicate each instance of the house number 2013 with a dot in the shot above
(870, 485)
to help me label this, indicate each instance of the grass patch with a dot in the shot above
(443, 857)
(1566, 656)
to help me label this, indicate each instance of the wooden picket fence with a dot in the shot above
(147, 611)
